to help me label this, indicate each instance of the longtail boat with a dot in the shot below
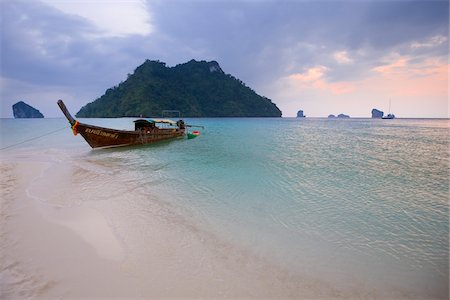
(146, 131)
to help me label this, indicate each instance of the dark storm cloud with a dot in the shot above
(39, 44)
(257, 41)
(264, 40)
(42, 45)
(47, 54)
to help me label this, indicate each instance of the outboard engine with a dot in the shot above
(180, 124)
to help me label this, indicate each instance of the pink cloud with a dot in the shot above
(392, 67)
(311, 75)
(417, 89)
(342, 57)
(399, 77)
(313, 78)
(403, 78)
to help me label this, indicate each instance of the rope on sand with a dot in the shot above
(33, 138)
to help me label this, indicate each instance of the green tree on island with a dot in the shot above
(195, 88)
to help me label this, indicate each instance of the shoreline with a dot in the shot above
(88, 249)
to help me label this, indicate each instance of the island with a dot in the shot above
(195, 89)
(343, 116)
(21, 110)
(340, 116)
(377, 114)
(300, 114)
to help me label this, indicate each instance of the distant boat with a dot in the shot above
(389, 115)
(145, 132)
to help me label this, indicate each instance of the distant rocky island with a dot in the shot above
(195, 88)
(377, 114)
(340, 116)
(300, 114)
(23, 110)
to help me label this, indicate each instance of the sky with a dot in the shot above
(323, 57)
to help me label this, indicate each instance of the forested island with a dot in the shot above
(195, 88)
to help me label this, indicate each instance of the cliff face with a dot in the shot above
(196, 89)
(300, 114)
(377, 114)
(23, 110)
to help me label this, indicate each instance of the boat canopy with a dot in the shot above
(142, 124)
(142, 121)
(166, 121)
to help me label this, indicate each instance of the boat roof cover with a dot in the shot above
(167, 121)
(143, 121)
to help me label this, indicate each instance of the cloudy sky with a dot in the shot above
(320, 56)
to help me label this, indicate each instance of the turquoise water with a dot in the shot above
(352, 202)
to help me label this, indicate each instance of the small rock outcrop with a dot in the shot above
(377, 114)
(331, 116)
(300, 114)
(343, 116)
(23, 110)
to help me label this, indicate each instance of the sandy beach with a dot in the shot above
(52, 249)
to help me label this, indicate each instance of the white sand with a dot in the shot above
(59, 241)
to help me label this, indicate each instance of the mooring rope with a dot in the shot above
(33, 138)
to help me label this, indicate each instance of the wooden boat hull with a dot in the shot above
(101, 137)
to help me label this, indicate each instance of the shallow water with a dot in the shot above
(357, 203)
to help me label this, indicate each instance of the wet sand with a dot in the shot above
(114, 247)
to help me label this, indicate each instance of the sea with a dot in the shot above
(350, 202)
